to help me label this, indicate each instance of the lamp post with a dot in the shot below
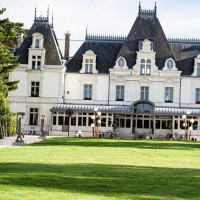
(69, 113)
(186, 124)
(20, 116)
(92, 125)
(96, 121)
(42, 129)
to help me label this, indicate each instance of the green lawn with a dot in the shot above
(85, 168)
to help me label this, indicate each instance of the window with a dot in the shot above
(144, 93)
(121, 62)
(54, 120)
(82, 118)
(143, 107)
(169, 94)
(145, 67)
(37, 43)
(170, 64)
(73, 120)
(122, 121)
(87, 92)
(119, 93)
(33, 116)
(36, 62)
(198, 95)
(88, 65)
(60, 120)
(198, 69)
(35, 89)
(103, 121)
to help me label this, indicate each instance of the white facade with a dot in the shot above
(51, 86)
(163, 94)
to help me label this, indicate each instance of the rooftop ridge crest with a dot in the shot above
(101, 37)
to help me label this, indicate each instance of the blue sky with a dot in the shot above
(179, 18)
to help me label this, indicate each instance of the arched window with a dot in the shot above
(145, 67)
(37, 43)
(143, 107)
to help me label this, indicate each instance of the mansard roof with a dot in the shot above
(106, 52)
(146, 26)
(53, 54)
(184, 54)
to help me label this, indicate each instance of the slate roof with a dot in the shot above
(106, 55)
(146, 26)
(53, 53)
(184, 55)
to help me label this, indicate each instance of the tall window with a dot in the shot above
(145, 67)
(37, 43)
(119, 93)
(36, 62)
(88, 65)
(87, 92)
(169, 94)
(144, 93)
(35, 89)
(33, 116)
(198, 69)
(198, 95)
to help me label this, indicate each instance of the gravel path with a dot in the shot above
(8, 142)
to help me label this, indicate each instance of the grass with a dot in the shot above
(85, 168)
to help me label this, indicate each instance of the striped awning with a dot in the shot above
(90, 108)
(121, 109)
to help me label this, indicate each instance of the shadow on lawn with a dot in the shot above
(124, 143)
(107, 180)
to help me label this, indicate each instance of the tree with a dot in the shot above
(8, 62)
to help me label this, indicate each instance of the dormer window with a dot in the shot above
(89, 63)
(36, 52)
(145, 67)
(170, 64)
(37, 43)
(121, 62)
(196, 72)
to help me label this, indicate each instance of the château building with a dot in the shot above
(143, 83)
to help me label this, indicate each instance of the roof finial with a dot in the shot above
(139, 7)
(48, 13)
(35, 11)
(86, 31)
(52, 20)
(155, 8)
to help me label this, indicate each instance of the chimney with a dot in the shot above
(19, 39)
(67, 44)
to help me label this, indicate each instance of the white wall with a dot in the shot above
(74, 88)
(51, 91)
